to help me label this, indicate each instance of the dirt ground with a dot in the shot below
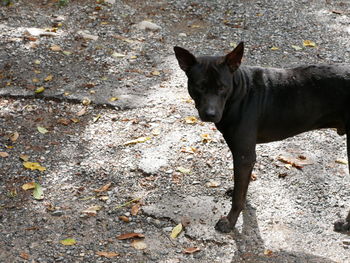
(100, 105)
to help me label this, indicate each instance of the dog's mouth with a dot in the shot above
(210, 118)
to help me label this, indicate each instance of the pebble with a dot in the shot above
(168, 229)
(182, 35)
(86, 35)
(57, 213)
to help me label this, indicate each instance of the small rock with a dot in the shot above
(57, 213)
(182, 35)
(111, 2)
(167, 229)
(86, 35)
(147, 25)
(139, 231)
(36, 32)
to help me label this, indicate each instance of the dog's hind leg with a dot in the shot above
(342, 225)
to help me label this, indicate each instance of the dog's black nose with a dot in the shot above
(210, 113)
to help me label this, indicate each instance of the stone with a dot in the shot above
(147, 25)
(86, 35)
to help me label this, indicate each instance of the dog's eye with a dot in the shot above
(221, 88)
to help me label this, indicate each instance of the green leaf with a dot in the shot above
(183, 170)
(297, 48)
(38, 192)
(68, 242)
(176, 231)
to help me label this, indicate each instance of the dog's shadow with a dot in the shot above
(251, 247)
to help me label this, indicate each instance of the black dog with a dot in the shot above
(251, 105)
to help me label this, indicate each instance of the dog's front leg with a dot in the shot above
(243, 165)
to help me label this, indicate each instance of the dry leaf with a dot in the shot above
(139, 244)
(24, 255)
(294, 162)
(24, 157)
(35, 80)
(113, 99)
(55, 48)
(309, 43)
(118, 55)
(183, 170)
(48, 78)
(124, 219)
(103, 188)
(92, 210)
(68, 241)
(191, 250)
(33, 166)
(138, 140)
(253, 177)
(28, 186)
(135, 209)
(191, 120)
(188, 149)
(155, 73)
(75, 120)
(64, 121)
(268, 252)
(86, 101)
(4, 154)
(297, 48)
(206, 138)
(14, 136)
(81, 112)
(341, 161)
(274, 48)
(130, 235)
(107, 254)
(212, 184)
(176, 231)
(38, 192)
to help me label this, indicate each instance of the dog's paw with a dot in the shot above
(342, 226)
(223, 225)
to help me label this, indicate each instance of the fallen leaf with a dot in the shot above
(212, 184)
(188, 149)
(55, 48)
(33, 166)
(135, 209)
(274, 48)
(124, 219)
(92, 210)
(42, 129)
(191, 120)
(64, 121)
(176, 231)
(48, 78)
(341, 161)
(39, 90)
(107, 254)
(118, 55)
(37, 62)
(139, 244)
(297, 48)
(24, 157)
(253, 177)
(4, 154)
(75, 120)
(14, 136)
(68, 242)
(35, 80)
(28, 186)
(38, 192)
(206, 138)
(103, 188)
(338, 12)
(81, 112)
(113, 99)
(155, 73)
(86, 101)
(191, 250)
(96, 118)
(294, 162)
(309, 43)
(24, 255)
(130, 235)
(183, 170)
(67, 53)
(268, 252)
(138, 140)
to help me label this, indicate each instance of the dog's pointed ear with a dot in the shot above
(185, 58)
(233, 59)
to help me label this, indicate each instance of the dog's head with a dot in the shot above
(210, 80)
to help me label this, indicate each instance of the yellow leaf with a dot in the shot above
(92, 211)
(35, 80)
(155, 73)
(309, 43)
(176, 231)
(183, 170)
(37, 62)
(297, 48)
(206, 138)
(191, 120)
(212, 184)
(28, 186)
(48, 78)
(75, 120)
(34, 166)
(341, 161)
(95, 119)
(39, 90)
(138, 140)
(274, 48)
(113, 99)
(67, 53)
(188, 149)
(86, 101)
(68, 242)
(4, 154)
